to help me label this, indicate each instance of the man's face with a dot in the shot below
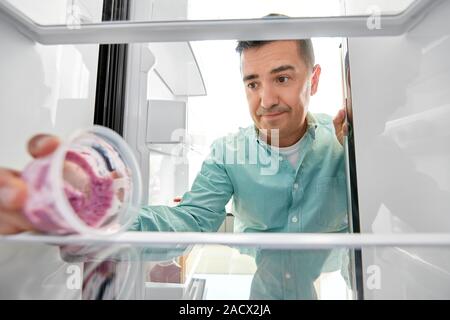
(278, 86)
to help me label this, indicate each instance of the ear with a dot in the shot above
(315, 79)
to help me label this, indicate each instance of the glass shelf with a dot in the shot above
(84, 12)
(165, 265)
(64, 22)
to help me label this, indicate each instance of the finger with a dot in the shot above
(341, 114)
(339, 119)
(18, 219)
(42, 145)
(13, 222)
(13, 191)
(15, 173)
(6, 229)
(345, 129)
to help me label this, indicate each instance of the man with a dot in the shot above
(305, 191)
(285, 173)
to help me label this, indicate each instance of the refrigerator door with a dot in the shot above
(400, 105)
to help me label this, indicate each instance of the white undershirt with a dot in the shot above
(292, 153)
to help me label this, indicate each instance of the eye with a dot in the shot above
(252, 85)
(282, 79)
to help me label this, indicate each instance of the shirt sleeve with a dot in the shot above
(202, 208)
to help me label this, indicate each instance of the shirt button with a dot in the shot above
(287, 275)
(295, 186)
(294, 219)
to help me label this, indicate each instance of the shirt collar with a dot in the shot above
(311, 127)
(312, 124)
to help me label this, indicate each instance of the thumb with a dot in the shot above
(42, 145)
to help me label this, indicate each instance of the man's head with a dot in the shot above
(279, 78)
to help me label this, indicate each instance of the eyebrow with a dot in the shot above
(273, 71)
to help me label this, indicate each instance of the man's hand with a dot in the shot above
(13, 190)
(340, 127)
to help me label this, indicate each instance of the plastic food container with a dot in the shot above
(90, 185)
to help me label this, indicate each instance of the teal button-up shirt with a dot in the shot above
(269, 195)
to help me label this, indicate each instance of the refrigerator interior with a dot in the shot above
(395, 76)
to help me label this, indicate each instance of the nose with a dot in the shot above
(269, 97)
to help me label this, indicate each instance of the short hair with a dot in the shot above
(305, 46)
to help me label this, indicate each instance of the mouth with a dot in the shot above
(272, 115)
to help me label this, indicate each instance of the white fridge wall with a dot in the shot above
(70, 12)
(47, 89)
(44, 89)
(401, 107)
